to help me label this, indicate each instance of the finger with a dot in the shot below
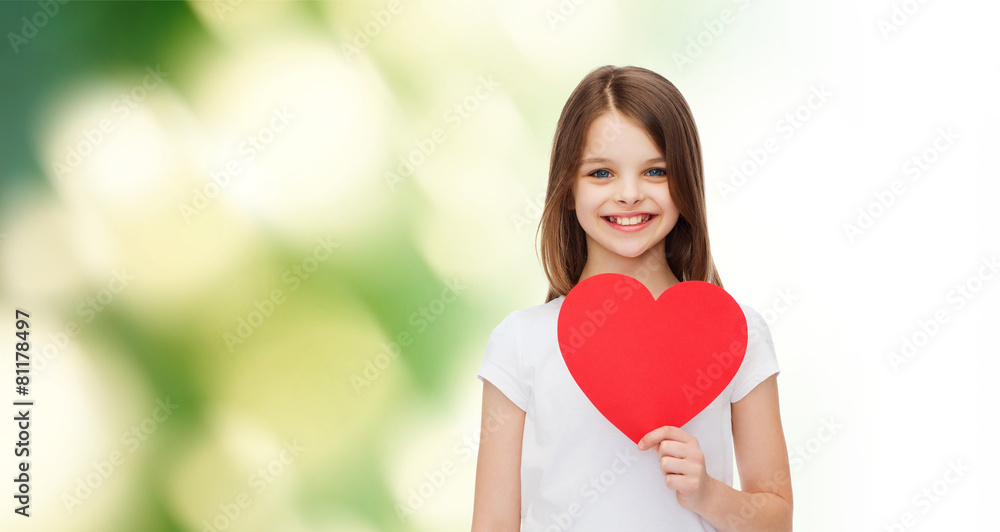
(673, 466)
(673, 448)
(663, 433)
(675, 482)
(678, 466)
(654, 437)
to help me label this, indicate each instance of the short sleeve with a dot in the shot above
(760, 361)
(502, 363)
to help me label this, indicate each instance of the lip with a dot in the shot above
(627, 214)
(630, 228)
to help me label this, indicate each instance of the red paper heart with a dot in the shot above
(647, 363)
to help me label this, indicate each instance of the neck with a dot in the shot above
(650, 269)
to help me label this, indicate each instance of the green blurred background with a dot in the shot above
(263, 244)
(168, 167)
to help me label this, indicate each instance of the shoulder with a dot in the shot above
(536, 314)
(754, 318)
(757, 327)
(760, 360)
(541, 317)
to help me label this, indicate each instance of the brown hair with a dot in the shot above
(656, 105)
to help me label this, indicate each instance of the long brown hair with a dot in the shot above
(656, 105)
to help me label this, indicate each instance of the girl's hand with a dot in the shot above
(683, 464)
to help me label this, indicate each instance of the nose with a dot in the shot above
(629, 191)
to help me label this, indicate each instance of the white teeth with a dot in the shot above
(634, 220)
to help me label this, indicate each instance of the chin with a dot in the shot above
(631, 254)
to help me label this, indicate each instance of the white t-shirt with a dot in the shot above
(578, 471)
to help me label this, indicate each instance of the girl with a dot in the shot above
(625, 195)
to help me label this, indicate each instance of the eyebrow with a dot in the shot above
(605, 160)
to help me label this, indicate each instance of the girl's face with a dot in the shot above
(621, 193)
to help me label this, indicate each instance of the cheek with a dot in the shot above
(583, 200)
(666, 202)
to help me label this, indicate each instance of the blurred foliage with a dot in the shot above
(100, 370)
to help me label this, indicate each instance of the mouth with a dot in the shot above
(634, 223)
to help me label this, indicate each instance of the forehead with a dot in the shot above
(614, 132)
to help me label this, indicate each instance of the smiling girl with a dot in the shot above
(625, 195)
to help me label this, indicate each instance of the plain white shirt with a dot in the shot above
(578, 471)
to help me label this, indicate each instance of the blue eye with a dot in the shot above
(661, 171)
(598, 171)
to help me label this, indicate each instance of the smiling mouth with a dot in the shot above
(628, 222)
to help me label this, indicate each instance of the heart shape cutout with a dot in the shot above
(646, 363)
